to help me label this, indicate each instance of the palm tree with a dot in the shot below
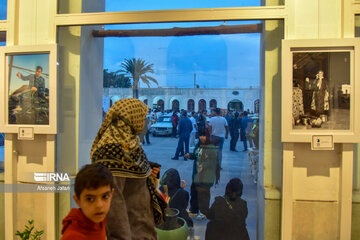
(113, 79)
(138, 69)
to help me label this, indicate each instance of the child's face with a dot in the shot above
(95, 203)
(202, 139)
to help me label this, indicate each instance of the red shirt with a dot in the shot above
(77, 226)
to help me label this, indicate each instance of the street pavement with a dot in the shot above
(234, 164)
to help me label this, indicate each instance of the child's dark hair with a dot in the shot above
(234, 188)
(93, 176)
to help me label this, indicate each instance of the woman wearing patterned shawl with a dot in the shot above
(134, 209)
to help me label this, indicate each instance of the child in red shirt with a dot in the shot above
(94, 188)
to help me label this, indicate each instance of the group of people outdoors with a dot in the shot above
(120, 196)
(189, 126)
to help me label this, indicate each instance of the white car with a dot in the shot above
(163, 126)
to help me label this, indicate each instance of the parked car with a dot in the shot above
(163, 126)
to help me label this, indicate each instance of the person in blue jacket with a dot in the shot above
(184, 129)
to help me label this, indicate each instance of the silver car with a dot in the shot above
(163, 126)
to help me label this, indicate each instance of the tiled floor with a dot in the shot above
(235, 164)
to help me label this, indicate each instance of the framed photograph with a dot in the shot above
(28, 86)
(320, 90)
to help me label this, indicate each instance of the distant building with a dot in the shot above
(190, 99)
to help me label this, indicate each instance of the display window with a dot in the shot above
(177, 73)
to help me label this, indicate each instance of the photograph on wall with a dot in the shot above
(28, 89)
(321, 90)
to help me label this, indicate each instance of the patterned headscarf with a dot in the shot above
(117, 145)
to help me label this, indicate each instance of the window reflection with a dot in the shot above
(185, 73)
(197, 74)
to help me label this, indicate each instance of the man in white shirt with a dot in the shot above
(194, 131)
(219, 131)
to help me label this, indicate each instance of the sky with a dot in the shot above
(217, 61)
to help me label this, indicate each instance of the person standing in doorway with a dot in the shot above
(184, 129)
(219, 131)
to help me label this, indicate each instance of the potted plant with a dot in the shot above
(27, 234)
(173, 227)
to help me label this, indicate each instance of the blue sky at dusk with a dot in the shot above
(219, 61)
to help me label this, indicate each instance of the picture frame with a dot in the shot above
(320, 90)
(28, 83)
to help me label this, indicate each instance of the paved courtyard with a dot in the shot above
(234, 164)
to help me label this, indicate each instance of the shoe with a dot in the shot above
(185, 159)
(174, 158)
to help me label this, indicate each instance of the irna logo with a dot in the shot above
(51, 177)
